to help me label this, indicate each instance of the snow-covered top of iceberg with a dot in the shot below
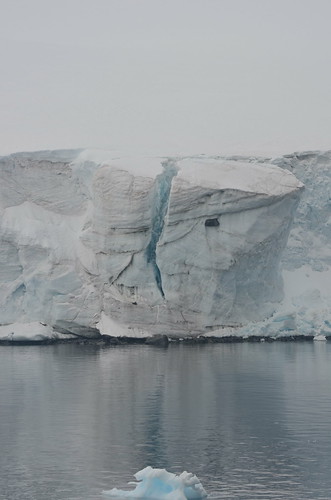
(159, 484)
(65, 155)
(214, 173)
(146, 166)
(232, 174)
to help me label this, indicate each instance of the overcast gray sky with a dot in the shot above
(166, 76)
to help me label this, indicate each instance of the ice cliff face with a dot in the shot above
(91, 242)
(306, 263)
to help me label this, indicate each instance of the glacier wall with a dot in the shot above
(306, 262)
(305, 265)
(92, 242)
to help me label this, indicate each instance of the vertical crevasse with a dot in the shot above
(159, 210)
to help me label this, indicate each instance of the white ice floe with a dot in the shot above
(159, 484)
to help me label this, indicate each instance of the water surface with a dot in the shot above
(252, 420)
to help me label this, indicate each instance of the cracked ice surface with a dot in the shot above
(98, 242)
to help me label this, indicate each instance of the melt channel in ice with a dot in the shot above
(159, 484)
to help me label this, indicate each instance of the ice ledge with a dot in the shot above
(30, 332)
(247, 177)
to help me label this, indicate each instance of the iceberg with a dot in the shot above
(96, 242)
(159, 484)
(320, 338)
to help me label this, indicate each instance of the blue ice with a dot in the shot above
(159, 484)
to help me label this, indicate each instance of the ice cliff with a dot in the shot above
(92, 242)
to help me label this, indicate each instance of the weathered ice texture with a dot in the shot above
(94, 243)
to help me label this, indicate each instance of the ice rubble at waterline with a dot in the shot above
(159, 484)
(92, 243)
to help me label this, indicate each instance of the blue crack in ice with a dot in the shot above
(159, 210)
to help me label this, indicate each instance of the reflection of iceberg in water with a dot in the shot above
(160, 484)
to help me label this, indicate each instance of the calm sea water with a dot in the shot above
(253, 421)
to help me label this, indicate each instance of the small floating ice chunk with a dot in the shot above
(319, 336)
(159, 484)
